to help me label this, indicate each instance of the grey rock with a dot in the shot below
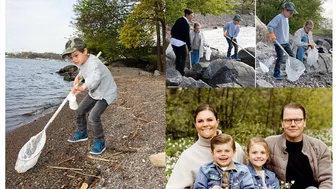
(156, 73)
(324, 43)
(261, 32)
(263, 84)
(231, 72)
(246, 58)
(173, 77)
(170, 63)
(188, 82)
(228, 85)
(323, 64)
(213, 67)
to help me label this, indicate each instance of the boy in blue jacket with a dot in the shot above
(231, 31)
(278, 29)
(223, 172)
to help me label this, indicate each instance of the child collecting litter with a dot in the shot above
(257, 155)
(278, 29)
(231, 31)
(223, 172)
(102, 91)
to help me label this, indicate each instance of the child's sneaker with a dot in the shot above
(79, 136)
(97, 148)
(277, 76)
(236, 58)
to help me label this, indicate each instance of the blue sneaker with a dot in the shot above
(236, 58)
(277, 76)
(79, 137)
(97, 148)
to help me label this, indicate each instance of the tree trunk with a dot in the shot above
(158, 46)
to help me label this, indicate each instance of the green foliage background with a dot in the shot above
(243, 113)
(246, 111)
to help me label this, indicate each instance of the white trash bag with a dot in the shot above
(207, 53)
(294, 68)
(72, 101)
(312, 56)
(30, 152)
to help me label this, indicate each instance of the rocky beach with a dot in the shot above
(317, 75)
(134, 127)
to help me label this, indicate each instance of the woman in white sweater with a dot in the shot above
(185, 170)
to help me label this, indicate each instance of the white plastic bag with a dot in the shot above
(207, 53)
(312, 56)
(294, 68)
(72, 101)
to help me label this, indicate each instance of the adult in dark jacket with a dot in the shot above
(181, 38)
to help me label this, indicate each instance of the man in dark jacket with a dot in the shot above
(296, 158)
(180, 38)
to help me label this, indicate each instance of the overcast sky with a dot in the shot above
(328, 9)
(44, 25)
(38, 25)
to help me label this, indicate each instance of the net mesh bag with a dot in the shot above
(294, 68)
(30, 152)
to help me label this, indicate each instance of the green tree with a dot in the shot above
(245, 111)
(144, 22)
(99, 23)
(175, 8)
(268, 9)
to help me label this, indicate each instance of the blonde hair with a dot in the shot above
(258, 140)
(309, 22)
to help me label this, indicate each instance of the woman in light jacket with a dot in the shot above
(303, 39)
(197, 41)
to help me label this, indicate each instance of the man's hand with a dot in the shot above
(225, 34)
(272, 36)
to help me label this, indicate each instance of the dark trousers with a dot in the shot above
(181, 56)
(281, 56)
(231, 44)
(97, 108)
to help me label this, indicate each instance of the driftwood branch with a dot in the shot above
(65, 168)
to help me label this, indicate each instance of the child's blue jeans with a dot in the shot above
(97, 108)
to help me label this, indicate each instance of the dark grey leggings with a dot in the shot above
(97, 108)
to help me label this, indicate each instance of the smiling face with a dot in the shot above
(223, 154)
(206, 124)
(257, 155)
(293, 123)
(78, 57)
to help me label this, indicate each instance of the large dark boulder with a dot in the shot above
(247, 58)
(226, 74)
(324, 43)
(68, 69)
